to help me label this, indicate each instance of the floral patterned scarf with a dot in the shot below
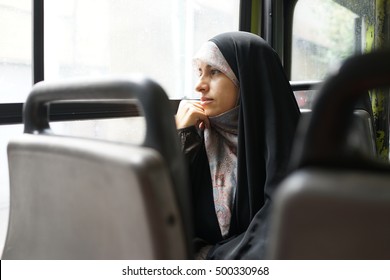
(221, 148)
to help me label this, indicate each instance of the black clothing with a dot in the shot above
(205, 219)
(268, 115)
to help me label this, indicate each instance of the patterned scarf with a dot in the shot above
(221, 148)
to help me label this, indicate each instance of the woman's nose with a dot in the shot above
(202, 85)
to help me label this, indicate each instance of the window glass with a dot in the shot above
(155, 38)
(323, 36)
(325, 33)
(15, 50)
(130, 130)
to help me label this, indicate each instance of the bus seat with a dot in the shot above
(74, 198)
(335, 204)
(323, 214)
(81, 199)
(360, 135)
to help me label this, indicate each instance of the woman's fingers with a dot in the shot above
(190, 113)
(203, 124)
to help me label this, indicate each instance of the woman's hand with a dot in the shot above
(191, 113)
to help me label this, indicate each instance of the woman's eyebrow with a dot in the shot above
(205, 67)
(200, 66)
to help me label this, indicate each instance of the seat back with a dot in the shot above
(360, 135)
(88, 199)
(335, 204)
(321, 214)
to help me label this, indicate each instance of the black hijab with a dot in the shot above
(268, 116)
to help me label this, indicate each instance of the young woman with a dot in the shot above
(237, 140)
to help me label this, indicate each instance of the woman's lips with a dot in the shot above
(205, 101)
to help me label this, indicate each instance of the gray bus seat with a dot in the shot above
(81, 199)
(360, 135)
(323, 214)
(335, 204)
(74, 198)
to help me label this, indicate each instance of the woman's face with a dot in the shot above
(218, 93)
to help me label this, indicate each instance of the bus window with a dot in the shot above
(155, 38)
(325, 33)
(15, 50)
(125, 130)
(109, 37)
(323, 36)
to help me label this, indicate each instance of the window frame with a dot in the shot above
(276, 29)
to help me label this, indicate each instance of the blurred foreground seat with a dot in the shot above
(336, 202)
(77, 198)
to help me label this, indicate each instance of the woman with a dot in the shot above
(237, 140)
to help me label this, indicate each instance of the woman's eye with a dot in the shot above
(215, 71)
